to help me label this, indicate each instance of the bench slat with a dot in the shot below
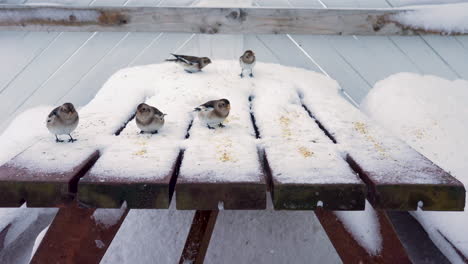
(221, 167)
(46, 173)
(398, 177)
(139, 169)
(304, 164)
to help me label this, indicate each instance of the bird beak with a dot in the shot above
(229, 107)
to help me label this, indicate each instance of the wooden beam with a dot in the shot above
(199, 237)
(350, 251)
(207, 20)
(79, 235)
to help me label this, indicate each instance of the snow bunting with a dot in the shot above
(214, 112)
(149, 119)
(62, 121)
(190, 64)
(247, 62)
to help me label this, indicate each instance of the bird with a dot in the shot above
(191, 64)
(62, 121)
(247, 62)
(149, 119)
(214, 112)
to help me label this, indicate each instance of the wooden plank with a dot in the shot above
(33, 76)
(75, 67)
(139, 169)
(221, 167)
(451, 51)
(79, 235)
(222, 20)
(349, 249)
(397, 176)
(118, 57)
(415, 239)
(40, 188)
(335, 65)
(304, 165)
(46, 173)
(199, 237)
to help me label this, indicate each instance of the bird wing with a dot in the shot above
(187, 59)
(157, 112)
(208, 106)
(54, 112)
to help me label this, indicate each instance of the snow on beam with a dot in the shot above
(79, 235)
(220, 20)
(397, 176)
(347, 241)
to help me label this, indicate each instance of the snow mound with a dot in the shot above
(450, 18)
(431, 115)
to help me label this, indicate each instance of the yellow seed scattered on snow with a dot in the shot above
(305, 152)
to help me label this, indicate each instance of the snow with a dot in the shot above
(449, 18)
(298, 151)
(158, 236)
(109, 217)
(38, 241)
(364, 227)
(387, 159)
(431, 115)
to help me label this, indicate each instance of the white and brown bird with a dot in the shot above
(62, 121)
(149, 119)
(190, 64)
(214, 112)
(247, 62)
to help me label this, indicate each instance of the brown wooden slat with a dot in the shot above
(349, 249)
(192, 195)
(222, 20)
(199, 237)
(397, 176)
(40, 189)
(305, 196)
(76, 237)
(94, 191)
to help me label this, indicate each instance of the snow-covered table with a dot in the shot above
(289, 132)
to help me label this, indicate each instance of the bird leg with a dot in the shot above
(154, 132)
(251, 74)
(71, 139)
(210, 127)
(57, 139)
(242, 74)
(221, 125)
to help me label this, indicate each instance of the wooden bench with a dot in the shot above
(303, 143)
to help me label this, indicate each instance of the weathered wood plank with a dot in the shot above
(199, 237)
(221, 167)
(79, 235)
(47, 173)
(305, 168)
(350, 251)
(40, 188)
(221, 20)
(397, 176)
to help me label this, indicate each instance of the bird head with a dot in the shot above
(224, 104)
(143, 109)
(248, 54)
(205, 61)
(67, 109)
